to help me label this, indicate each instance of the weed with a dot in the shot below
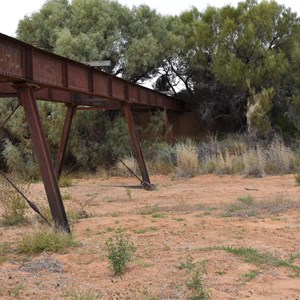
(253, 256)
(17, 289)
(144, 230)
(297, 178)
(188, 264)
(293, 257)
(109, 229)
(115, 214)
(159, 215)
(247, 199)
(251, 275)
(65, 181)
(195, 284)
(46, 239)
(66, 196)
(128, 192)
(87, 295)
(120, 252)
(149, 210)
(178, 219)
(4, 249)
(12, 204)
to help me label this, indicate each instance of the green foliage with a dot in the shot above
(46, 239)
(258, 109)
(120, 252)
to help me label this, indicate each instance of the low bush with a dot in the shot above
(120, 252)
(46, 239)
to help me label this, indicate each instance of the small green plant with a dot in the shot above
(4, 249)
(128, 192)
(195, 283)
(187, 265)
(144, 230)
(66, 196)
(46, 239)
(13, 206)
(159, 215)
(149, 210)
(120, 252)
(17, 289)
(247, 199)
(65, 181)
(251, 275)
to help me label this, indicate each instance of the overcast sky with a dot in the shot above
(14, 10)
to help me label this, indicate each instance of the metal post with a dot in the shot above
(64, 140)
(135, 141)
(40, 147)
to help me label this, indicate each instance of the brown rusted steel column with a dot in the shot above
(40, 147)
(64, 140)
(135, 141)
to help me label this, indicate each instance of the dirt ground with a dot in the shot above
(183, 226)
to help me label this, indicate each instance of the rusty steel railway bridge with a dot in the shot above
(32, 74)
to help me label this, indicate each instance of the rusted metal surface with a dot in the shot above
(64, 139)
(135, 141)
(31, 73)
(41, 150)
(22, 62)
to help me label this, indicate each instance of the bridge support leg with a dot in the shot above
(71, 110)
(135, 141)
(40, 147)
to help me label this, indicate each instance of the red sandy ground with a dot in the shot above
(191, 216)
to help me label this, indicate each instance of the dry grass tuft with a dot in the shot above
(254, 162)
(187, 158)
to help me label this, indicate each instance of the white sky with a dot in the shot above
(14, 10)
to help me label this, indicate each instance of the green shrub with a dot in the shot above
(120, 252)
(46, 239)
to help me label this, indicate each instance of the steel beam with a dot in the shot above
(23, 62)
(40, 147)
(64, 140)
(135, 141)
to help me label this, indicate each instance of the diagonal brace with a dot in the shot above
(135, 141)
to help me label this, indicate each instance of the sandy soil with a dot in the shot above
(176, 226)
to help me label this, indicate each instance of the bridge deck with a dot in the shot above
(60, 79)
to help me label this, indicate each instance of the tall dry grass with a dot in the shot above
(187, 158)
